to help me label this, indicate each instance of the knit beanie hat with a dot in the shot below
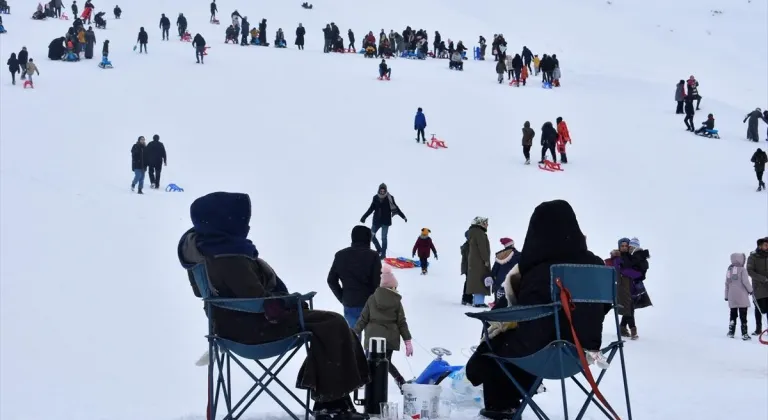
(383, 186)
(634, 243)
(388, 279)
(623, 241)
(479, 221)
(425, 231)
(507, 242)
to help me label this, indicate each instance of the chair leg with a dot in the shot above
(527, 400)
(591, 393)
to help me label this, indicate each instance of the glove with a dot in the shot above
(437, 258)
(408, 348)
(413, 255)
(362, 220)
(488, 282)
(406, 219)
(726, 299)
(497, 328)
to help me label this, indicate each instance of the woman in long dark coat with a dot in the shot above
(300, 32)
(335, 365)
(90, 40)
(553, 237)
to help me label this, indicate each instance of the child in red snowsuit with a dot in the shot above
(563, 136)
(423, 246)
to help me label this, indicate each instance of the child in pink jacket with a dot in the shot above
(737, 294)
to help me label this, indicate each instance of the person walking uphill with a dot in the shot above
(138, 164)
(199, 44)
(548, 141)
(13, 67)
(419, 124)
(156, 158)
(466, 299)
(757, 267)
(142, 40)
(355, 274)
(737, 292)
(479, 263)
(759, 158)
(680, 96)
(165, 26)
(754, 118)
(383, 206)
(335, 363)
(384, 317)
(528, 135)
(423, 247)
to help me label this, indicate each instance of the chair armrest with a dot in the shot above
(257, 305)
(517, 313)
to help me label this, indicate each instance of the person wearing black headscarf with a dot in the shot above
(554, 237)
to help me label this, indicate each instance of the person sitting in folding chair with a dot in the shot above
(553, 237)
(335, 364)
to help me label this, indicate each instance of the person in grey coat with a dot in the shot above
(737, 294)
(680, 96)
(754, 117)
(90, 40)
(57, 7)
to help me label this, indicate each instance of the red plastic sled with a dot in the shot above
(436, 143)
(398, 263)
(28, 83)
(550, 166)
(205, 50)
(383, 78)
(86, 13)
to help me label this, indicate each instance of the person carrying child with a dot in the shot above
(737, 294)
(384, 317)
(563, 136)
(423, 246)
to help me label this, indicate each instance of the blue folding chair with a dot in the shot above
(222, 351)
(560, 359)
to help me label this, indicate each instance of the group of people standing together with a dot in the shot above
(145, 156)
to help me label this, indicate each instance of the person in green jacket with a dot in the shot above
(384, 317)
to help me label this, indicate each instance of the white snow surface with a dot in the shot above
(97, 319)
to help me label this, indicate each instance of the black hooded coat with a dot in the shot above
(356, 271)
(553, 237)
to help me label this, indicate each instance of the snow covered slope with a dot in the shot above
(96, 317)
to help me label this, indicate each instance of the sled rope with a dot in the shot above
(760, 337)
(568, 306)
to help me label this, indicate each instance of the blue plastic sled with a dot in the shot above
(2, 29)
(546, 85)
(71, 57)
(362, 51)
(255, 41)
(280, 44)
(173, 188)
(409, 54)
(105, 63)
(477, 54)
(463, 55)
(713, 134)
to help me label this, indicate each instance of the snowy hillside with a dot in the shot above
(97, 320)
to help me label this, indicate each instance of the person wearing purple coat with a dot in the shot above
(631, 264)
(737, 292)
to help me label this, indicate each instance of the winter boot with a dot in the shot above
(633, 333)
(598, 358)
(624, 332)
(731, 329)
(133, 187)
(745, 333)
(423, 271)
(498, 414)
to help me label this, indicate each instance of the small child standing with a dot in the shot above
(737, 291)
(423, 246)
(384, 317)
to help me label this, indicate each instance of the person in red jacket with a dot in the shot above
(563, 136)
(423, 246)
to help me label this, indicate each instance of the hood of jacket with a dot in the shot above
(553, 234)
(386, 299)
(505, 255)
(738, 259)
(362, 236)
(187, 251)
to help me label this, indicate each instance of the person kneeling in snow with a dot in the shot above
(335, 364)
(384, 317)
(384, 71)
(456, 62)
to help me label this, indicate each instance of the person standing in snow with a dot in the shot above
(199, 43)
(74, 9)
(165, 26)
(142, 40)
(419, 124)
(384, 317)
(631, 264)
(528, 135)
(693, 91)
(754, 118)
(479, 262)
(423, 247)
(355, 274)
(138, 164)
(383, 207)
(501, 68)
(737, 294)
(527, 58)
(181, 24)
(57, 5)
(155, 157)
(245, 28)
(505, 260)
(105, 49)
(548, 141)
(466, 299)
(263, 33)
(13, 67)
(214, 10)
(31, 69)
(90, 41)
(757, 268)
(759, 158)
(680, 96)
(23, 58)
(689, 113)
(300, 32)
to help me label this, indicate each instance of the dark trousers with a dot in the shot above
(628, 321)
(199, 53)
(551, 150)
(327, 45)
(387, 73)
(165, 34)
(679, 109)
(688, 120)
(13, 78)
(244, 39)
(182, 29)
(351, 46)
(741, 313)
(420, 132)
(57, 10)
(761, 305)
(760, 178)
(527, 153)
(424, 263)
(143, 47)
(393, 372)
(499, 393)
(465, 298)
(213, 16)
(563, 157)
(154, 174)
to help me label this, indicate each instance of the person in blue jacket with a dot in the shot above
(506, 260)
(419, 124)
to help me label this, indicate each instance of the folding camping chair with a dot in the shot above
(222, 351)
(560, 359)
